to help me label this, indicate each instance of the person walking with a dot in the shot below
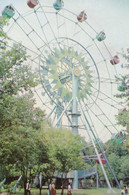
(126, 189)
(49, 188)
(122, 191)
(53, 191)
(69, 192)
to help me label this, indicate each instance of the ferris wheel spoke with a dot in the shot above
(108, 80)
(76, 33)
(92, 124)
(85, 32)
(44, 103)
(106, 96)
(57, 23)
(49, 25)
(91, 27)
(104, 80)
(66, 18)
(104, 60)
(31, 40)
(104, 114)
(111, 105)
(41, 27)
(110, 55)
(32, 29)
(101, 121)
(60, 25)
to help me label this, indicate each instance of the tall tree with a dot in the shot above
(20, 119)
(65, 151)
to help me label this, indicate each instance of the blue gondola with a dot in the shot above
(8, 11)
(58, 5)
(101, 36)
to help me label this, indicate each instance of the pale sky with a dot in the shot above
(112, 16)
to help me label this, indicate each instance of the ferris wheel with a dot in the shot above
(76, 68)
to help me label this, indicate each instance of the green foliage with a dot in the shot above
(15, 75)
(3, 35)
(123, 119)
(65, 150)
(123, 115)
(118, 156)
(20, 110)
(20, 119)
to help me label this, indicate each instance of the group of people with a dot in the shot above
(124, 190)
(52, 190)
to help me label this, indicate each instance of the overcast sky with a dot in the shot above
(110, 15)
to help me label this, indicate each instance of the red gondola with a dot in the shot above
(103, 160)
(115, 60)
(32, 3)
(82, 16)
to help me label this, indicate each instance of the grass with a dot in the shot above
(100, 191)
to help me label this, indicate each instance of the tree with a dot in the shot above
(20, 141)
(20, 119)
(118, 155)
(123, 88)
(65, 151)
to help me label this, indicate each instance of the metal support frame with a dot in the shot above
(74, 101)
(75, 119)
(110, 190)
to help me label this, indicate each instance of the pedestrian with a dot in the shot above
(126, 189)
(53, 191)
(122, 191)
(49, 188)
(28, 187)
(69, 192)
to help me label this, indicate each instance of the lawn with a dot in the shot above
(100, 191)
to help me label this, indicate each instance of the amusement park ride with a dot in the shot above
(76, 70)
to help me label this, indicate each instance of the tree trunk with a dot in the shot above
(62, 192)
(24, 183)
(40, 191)
(62, 181)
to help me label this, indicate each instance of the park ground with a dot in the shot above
(100, 191)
